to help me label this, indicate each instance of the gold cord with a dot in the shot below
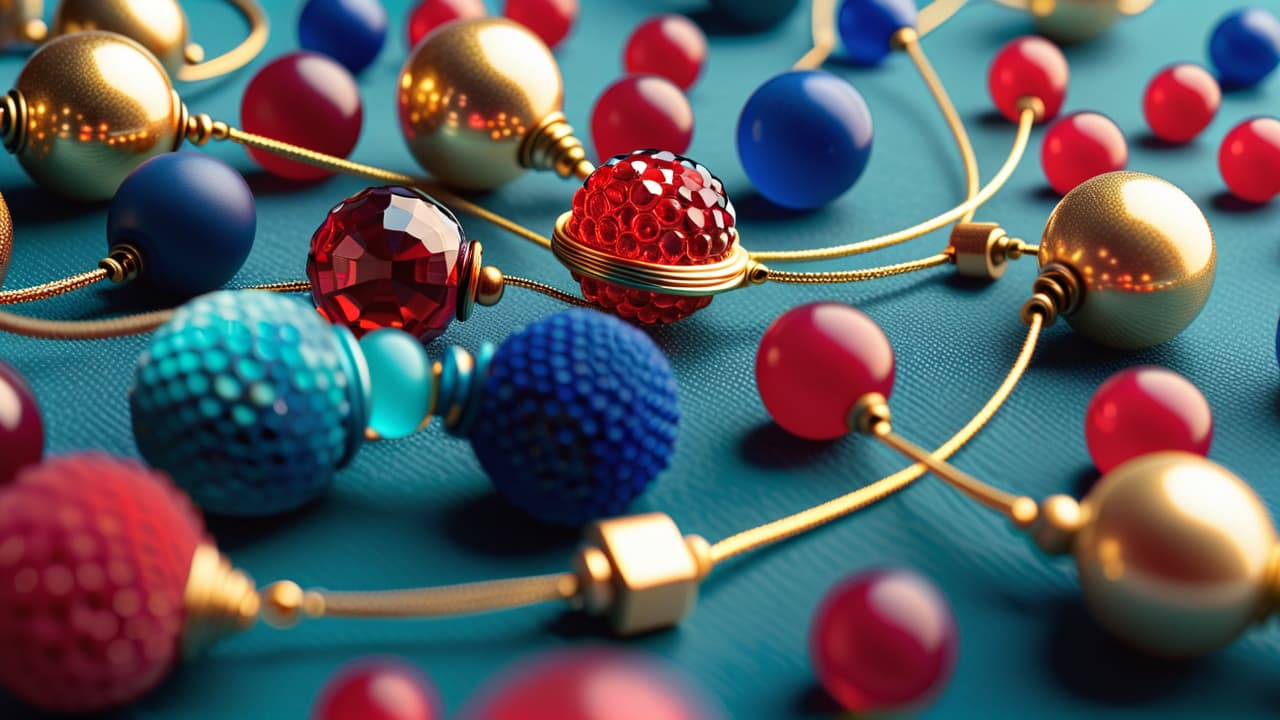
(850, 276)
(448, 599)
(239, 56)
(935, 13)
(824, 36)
(290, 286)
(82, 329)
(551, 292)
(52, 289)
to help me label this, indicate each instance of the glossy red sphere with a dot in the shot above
(1144, 410)
(1028, 66)
(1081, 146)
(669, 45)
(21, 429)
(428, 15)
(641, 112)
(377, 689)
(816, 362)
(550, 20)
(304, 99)
(1180, 102)
(1249, 159)
(883, 641)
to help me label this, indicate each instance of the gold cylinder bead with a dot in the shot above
(977, 250)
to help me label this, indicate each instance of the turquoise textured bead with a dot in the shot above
(400, 389)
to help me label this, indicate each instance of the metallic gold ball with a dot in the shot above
(1074, 21)
(469, 95)
(1142, 252)
(160, 26)
(1174, 554)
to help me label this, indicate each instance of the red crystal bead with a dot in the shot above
(550, 20)
(21, 429)
(640, 112)
(1028, 66)
(1081, 146)
(657, 207)
(388, 257)
(431, 14)
(1249, 159)
(1143, 410)
(377, 689)
(669, 45)
(1180, 102)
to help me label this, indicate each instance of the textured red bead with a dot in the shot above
(431, 14)
(815, 362)
(656, 207)
(21, 429)
(1249, 159)
(377, 689)
(1180, 102)
(388, 257)
(641, 112)
(669, 45)
(1143, 410)
(550, 20)
(94, 558)
(304, 99)
(1081, 146)
(1028, 66)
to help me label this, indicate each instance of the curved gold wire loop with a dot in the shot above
(240, 55)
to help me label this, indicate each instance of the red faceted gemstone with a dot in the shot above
(21, 429)
(431, 14)
(1249, 159)
(640, 112)
(1180, 102)
(1028, 66)
(377, 689)
(550, 20)
(1079, 147)
(388, 257)
(1144, 410)
(669, 45)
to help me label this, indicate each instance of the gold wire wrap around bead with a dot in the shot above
(240, 55)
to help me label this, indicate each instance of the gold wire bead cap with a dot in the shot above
(220, 601)
(553, 146)
(284, 604)
(123, 264)
(1052, 525)
(982, 250)
(870, 415)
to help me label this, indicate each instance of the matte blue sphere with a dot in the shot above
(754, 14)
(867, 27)
(578, 416)
(804, 138)
(1245, 46)
(250, 401)
(349, 31)
(191, 217)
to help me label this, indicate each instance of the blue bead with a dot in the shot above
(867, 27)
(579, 415)
(804, 138)
(192, 218)
(754, 14)
(1245, 47)
(401, 387)
(349, 31)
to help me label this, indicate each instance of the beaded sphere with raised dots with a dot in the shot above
(93, 566)
(579, 415)
(1142, 410)
(867, 27)
(1249, 159)
(1080, 146)
(1028, 67)
(250, 401)
(1180, 102)
(1245, 46)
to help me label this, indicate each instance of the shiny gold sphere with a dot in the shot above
(1074, 21)
(1142, 252)
(97, 105)
(1174, 554)
(160, 26)
(470, 93)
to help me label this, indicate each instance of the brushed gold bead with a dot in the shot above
(1174, 554)
(160, 26)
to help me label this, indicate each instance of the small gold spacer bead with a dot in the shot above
(490, 286)
(1024, 512)
(193, 53)
(282, 604)
(1054, 528)
(1035, 104)
(871, 415)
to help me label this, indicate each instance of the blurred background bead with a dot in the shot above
(428, 15)
(1074, 21)
(669, 45)
(401, 386)
(1080, 146)
(1143, 410)
(378, 688)
(867, 27)
(550, 20)
(1249, 159)
(1028, 66)
(158, 25)
(753, 14)
(349, 31)
(21, 427)
(1245, 46)
(641, 112)
(1180, 102)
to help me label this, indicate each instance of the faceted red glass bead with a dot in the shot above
(550, 20)
(1028, 66)
(640, 112)
(883, 641)
(1180, 102)
(1249, 159)
(388, 257)
(1081, 146)
(669, 45)
(304, 99)
(21, 429)
(1143, 410)
(377, 689)
(657, 207)
(428, 15)
(815, 362)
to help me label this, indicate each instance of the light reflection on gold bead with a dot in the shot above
(158, 25)
(1073, 21)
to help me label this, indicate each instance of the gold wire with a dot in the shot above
(545, 289)
(850, 276)
(240, 55)
(82, 329)
(450, 599)
(824, 36)
(52, 289)
(935, 13)
(290, 286)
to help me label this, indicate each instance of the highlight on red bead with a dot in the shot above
(21, 428)
(94, 557)
(1081, 146)
(1143, 410)
(550, 20)
(304, 99)
(814, 364)
(883, 641)
(428, 15)
(1249, 159)
(669, 45)
(640, 112)
(1028, 66)
(1180, 102)
(378, 688)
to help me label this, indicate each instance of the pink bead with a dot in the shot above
(815, 362)
(883, 641)
(1144, 410)
(641, 112)
(1180, 102)
(431, 14)
(377, 689)
(550, 20)
(1028, 66)
(21, 429)
(1249, 159)
(304, 99)
(1079, 147)
(669, 45)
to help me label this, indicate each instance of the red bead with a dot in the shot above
(1081, 146)
(1249, 159)
(669, 45)
(377, 689)
(431, 14)
(641, 112)
(1144, 410)
(1028, 66)
(304, 99)
(1180, 102)
(883, 641)
(816, 362)
(550, 20)
(94, 558)
(21, 429)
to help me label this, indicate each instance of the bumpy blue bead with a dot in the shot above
(249, 400)
(867, 27)
(1245, 47)
(579, 414)
(349, 31)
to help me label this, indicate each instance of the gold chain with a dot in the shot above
(849, 276)
(551, 292)
(451, 599)
(52, 289)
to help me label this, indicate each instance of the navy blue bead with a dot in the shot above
(192, 218)
(1245, 47)
(867, 27)
(579, 415)
(754, 14)
(349, 31)
(804, 138)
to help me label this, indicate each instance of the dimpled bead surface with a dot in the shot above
(249, 401)
(669, 45)
(1028, 66)
(550, 20)
(94, 558)
(1081, 146)
(1144, 410)
(1249, 159)
(349, 31)
(377, 689)
(1245, 46)
(400, 382)
(579, 415)
(657, 207)
(21, 428)
(638, 112)
(867, 27)
(431, 14)
(1180, 102)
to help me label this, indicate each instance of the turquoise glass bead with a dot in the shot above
(400, 386)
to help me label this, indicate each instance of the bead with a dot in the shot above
(1028, 66)
(867, 27)
(1080, 146)
(191, 217)
(883, 641)
(804, 138)
(550, 20)
(428, 15)
(349, 31)
(307, 100)
(639, 112)
(21, 429)
(1249, 159)
(401, 387)
(388, 257)
(490, 286)
(669, 45)
(378, 688)
(1245, 46)
(753, 14)
(1175, 556)
(1180, 102)
(1144, 410)
(20, 23)
(578, 416)
(159, 25)
(93, 566)
(1075, 21)
(816, 362)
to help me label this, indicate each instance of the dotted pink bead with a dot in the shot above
(1143, 410)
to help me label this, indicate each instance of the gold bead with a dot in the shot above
(490, 286)
(20, 22)
(1074, 21)
(282, 604)
(1141, 253)
(977, 250)
(160, 26)
(1174, 554)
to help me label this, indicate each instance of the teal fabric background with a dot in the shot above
(420, 511)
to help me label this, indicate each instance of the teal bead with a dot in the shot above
(400, 382)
